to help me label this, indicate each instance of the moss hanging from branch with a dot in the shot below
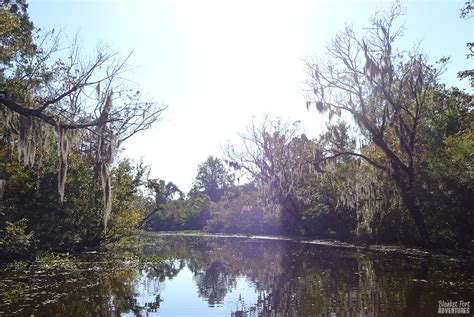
(367, 192)
(107, 190)
(106, 147)
(66, 138)
(63, 150)
(29, 129)
(8, 118)
(106, 151)
(28, 134)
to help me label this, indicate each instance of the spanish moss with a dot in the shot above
(63, 149)
(106, 147)
(29, 129)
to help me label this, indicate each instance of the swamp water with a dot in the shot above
(175, 275)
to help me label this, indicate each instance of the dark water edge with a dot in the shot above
(197, 274)
(451, 254)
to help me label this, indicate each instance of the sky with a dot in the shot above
(220, 64)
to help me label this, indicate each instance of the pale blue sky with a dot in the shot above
(217, 64)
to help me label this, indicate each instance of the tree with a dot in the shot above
(163, 191)
(127, 200)
(213, 178)
(45, 91)
(276, 158)
(387, 95)
(447, 172)
(16, 32)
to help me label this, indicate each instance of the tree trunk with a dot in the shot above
(409, 201)
(407, 192)
(291, 221)
(405, 180)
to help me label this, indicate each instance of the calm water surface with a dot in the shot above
(216, 276)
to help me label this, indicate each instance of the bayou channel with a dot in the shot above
(173, 274)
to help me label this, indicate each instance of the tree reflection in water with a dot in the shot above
(298, 279)
(285, 279)
(214, 283)
(167, 269)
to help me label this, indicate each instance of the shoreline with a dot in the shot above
(462, 255)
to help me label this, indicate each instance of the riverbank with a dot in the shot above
(447, 254)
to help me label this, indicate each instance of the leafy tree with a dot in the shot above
(196, 211)
(16, 32)
(447, 171)
(163, 192)
(127, 199)
(213, 178)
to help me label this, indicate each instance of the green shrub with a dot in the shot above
(14, 239)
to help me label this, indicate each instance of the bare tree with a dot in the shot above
(386, 93)
(71, 92)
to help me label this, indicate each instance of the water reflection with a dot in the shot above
(238, 277)
(214, 283)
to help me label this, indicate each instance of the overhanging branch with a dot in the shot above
(349, 153)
